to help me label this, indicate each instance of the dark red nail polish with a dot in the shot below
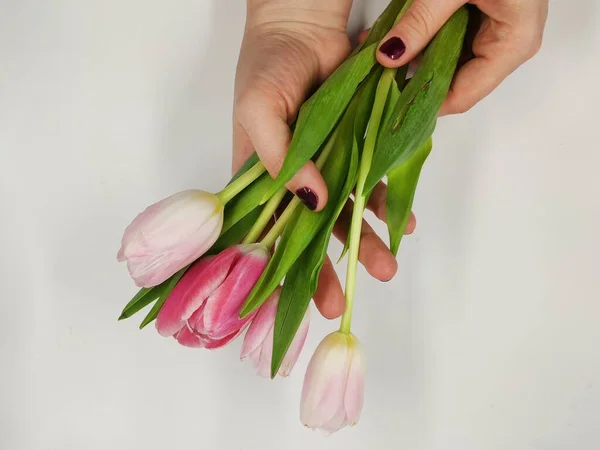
(393, 48)
(308, 197)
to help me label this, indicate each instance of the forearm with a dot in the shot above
(325, 13)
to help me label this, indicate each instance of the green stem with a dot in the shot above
(265, 216)
(238, 185)
(269, 240)
(381, 97)
(277, 229)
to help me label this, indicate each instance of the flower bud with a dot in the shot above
(169, 235)
(332, 395)
(258, 342)
(203, 308)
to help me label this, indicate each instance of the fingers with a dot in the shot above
(376, 202)
(475, 81)
(499, 48)
(373, 253)
(329, 297)
(363, 35)
(264, 122)
(421, 21)
(377, 205)
(411, 225)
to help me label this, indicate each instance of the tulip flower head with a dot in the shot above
(258, 342)
(169, 235)
(332, 395)
(203, 308)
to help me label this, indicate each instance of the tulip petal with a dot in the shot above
(147, 271)
(263, 366)
(188, 339)
(338, 421)
(170, 235)
(222, 308)
(355, 386)
(165, 223)
(293, 353)
(325, 381)
(196, 322)
(201, 279)
(261, 325)
(212, 344)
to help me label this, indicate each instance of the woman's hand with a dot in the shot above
(290, 47)
(510, 34)
(288, 50)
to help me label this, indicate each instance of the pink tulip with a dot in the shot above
(169, 235)
(332, 395)
(203, 308)
(258, 342)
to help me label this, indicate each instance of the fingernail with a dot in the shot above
(393, 48)
(308, 197)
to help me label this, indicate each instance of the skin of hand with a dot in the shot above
(290, 47)
(510, 33)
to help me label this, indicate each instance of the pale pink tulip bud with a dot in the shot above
(203, 308)
(169, 235)
(332, 395)
(258, 342)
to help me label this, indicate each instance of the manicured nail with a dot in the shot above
(393, 48)
(308, 197)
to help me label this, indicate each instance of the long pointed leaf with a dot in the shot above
(420, 101)
(165, 290)
(361, 121)
(143, 298)
(319, 114)
(402, 184)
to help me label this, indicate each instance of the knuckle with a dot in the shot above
(419, 20)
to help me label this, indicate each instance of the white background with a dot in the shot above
(488, 338)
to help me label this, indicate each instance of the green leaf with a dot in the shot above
(143, 298)
(383, 24)
(164, 291)
(236, 233)
(361, 121)
(365, 106)
(293, 243)
(419, 104)
(246, 201)
(393, 97)
(402, 184)
(301, 281)
(319, 114)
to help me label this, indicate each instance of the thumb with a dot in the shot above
(421, 21)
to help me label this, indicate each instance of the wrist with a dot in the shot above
(331, 14)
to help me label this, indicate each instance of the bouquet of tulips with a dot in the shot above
(215, 265)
